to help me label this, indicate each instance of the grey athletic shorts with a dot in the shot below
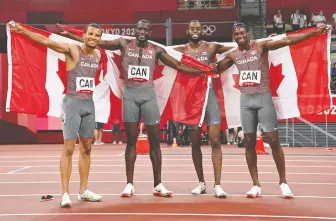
(212, 113)
(258, 108)
(78, 118)
(140, 103)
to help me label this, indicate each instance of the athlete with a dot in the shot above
(205, 52)
(251, 59)
(78, 117)
(139, 58)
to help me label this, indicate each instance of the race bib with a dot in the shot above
(85, 85)
(138, 73)
(249, 78)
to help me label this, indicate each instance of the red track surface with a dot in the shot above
(29, 171)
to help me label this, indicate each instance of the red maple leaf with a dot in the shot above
(62, 73)
(236, 80)
(158, 71)
(275, 77)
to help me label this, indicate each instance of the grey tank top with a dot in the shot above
(138, 65)
(202, 54)
(81, 79)
(253, 70)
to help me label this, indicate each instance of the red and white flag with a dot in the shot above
(299, 80)
(37, 79)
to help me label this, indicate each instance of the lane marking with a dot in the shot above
(173, 214)
(174, 194)
(151, 181)
(177, 159)
(180, 165)
(174, 172)
(23, 168)
(183, 154)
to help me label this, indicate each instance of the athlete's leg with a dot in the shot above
(212, 115)
(150, 113)
(71, 122)
(131, 118)
(196, 152)
(249, 120)
(214, 139)
(131, 129)
(151, 116)
(269, 123)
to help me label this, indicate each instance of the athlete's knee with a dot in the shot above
(69, 148)
(250, 141)
(154, 141)
(85, 149)
(215, 142)
(273, 137)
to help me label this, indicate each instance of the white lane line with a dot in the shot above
(175, 194)
(180, 165)
(174, 172)
(177, 159)
(151, 181)
(173, 214)
(172, 155)
(13, 171)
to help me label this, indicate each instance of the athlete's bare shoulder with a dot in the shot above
(180, 48)
(97, 52)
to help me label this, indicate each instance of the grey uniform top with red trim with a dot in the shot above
(253, 70)
(138, 65)
(81, 79)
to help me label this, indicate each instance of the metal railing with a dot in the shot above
(205, 4)
(305, 133)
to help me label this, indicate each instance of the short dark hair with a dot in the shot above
(239, 24)
(94, 25)
(147, 22)
(194, 21)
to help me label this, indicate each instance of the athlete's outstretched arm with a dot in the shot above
(173, 63)
(294, 39)
(77, 35)
(106, 44)
(224, 64)
(40, 39)
(220, 49)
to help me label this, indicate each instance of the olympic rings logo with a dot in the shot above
(208, 29)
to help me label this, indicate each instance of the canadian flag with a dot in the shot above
(37, 79)
(299, 80)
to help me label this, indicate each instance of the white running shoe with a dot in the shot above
(160, 190)
(219, 192)
(120, 142)
(128, 191)
(254, 192)
(88, 195)
(65, 201)
(286, 191)
(114, 142)
(200, 189)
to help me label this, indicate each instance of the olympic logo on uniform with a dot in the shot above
(208, 29)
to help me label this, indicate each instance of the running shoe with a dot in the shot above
(65, 201)
(88, 195)
(254, 192)
(219, 192)
(200, 189)
(286, 191)
(128, 191)
(160, 190)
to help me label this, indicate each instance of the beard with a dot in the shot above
(194, 38)
(90, 46)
